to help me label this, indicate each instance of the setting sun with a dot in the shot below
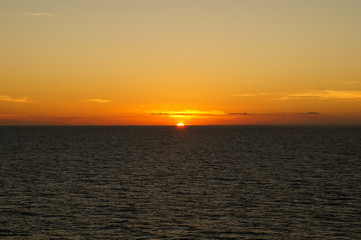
(180, 125)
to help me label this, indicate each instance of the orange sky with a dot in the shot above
(156, 62)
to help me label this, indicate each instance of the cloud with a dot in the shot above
(7, 98)
(308, 113)
(182, 114)
(98, 100)
(324, 94)
(275, 114)
(36, 14)
(311, 95)
(243, 114)
(188, 113)
(195, 113)
(251, 94)
(10, 116)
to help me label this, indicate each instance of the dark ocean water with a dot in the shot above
(169, 183)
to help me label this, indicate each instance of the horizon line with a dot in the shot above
(175, 125)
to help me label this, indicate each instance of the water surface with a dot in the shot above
(211, 182)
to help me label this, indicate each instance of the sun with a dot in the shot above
(180, 125)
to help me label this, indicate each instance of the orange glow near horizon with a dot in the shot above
(165, 62)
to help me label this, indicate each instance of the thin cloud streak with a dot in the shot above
(312, 94)
(98, 100)
(189, 113)
(7, 98)
(324, 94)
(222, 114)
(251, 94)
(39, 14)
(242, 114)
(276, 114)
(308, 113)
(11, 116)
(185, 114)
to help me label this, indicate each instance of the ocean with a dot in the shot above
(196, 182)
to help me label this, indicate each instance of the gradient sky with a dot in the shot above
(168, 61)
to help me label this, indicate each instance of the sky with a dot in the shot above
(161, 62)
